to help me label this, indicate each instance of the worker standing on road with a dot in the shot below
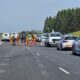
(17, 40)
(11, 40)
(14, 40)
(33, 40)
(27, 40)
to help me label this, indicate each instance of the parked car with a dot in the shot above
(66, 42)
(5, 36)
(53, 39)
(76, 46)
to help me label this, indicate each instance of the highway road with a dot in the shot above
(37, 63)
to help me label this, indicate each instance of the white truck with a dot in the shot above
(53, 39)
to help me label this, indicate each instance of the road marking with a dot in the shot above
(65, 71)
(2, 71)
(38, 54)
(7, 56)
(3, 64)
(13, 51)
(6, 59)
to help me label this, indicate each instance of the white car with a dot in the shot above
(76, 47)
(66, 42)
(53, 39)
(5, 36)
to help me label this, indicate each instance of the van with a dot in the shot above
(5, 36)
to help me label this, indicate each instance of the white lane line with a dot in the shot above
(6, 59)
(13, 51)
(38, 54)
(2, 71)
(7, 56)
(63, 70)
(3, 64)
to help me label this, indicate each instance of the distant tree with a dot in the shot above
(66, 21)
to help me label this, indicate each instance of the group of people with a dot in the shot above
(14, 40)
(27, 41)
(31, 41)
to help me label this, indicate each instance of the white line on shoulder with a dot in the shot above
(65, 71)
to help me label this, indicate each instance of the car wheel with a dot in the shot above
(48, 45)
(61, 48)
(58, 48)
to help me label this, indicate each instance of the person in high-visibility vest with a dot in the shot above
(34, 40)
(17, 40)
(27, 40)
(11, 40)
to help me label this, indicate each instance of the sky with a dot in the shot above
(23, 15)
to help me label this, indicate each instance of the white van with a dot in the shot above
(5, 36)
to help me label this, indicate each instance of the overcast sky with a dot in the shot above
(18, 15)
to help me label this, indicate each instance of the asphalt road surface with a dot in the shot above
(37, 63)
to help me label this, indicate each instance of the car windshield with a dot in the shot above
(5, 34)
(70, 38)
(78, 39)
(55, 35)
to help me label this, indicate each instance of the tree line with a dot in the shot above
(66, 21)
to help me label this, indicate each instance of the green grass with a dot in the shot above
(77, 33)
